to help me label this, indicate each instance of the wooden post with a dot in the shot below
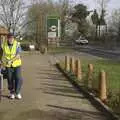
(90, 75)
(45, 50)
(67, 63)
(102, 86)
(72, 65)
(78, 70)
(1, 86)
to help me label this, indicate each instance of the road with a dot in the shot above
(98, 52)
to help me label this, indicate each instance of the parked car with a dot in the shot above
(81, 41)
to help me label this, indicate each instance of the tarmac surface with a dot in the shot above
(47, 95)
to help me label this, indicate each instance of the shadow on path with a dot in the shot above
(37, 114)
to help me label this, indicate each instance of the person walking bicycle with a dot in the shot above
(11, 60)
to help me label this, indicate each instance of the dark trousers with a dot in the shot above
(14, 79)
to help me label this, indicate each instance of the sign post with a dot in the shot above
(53, 30)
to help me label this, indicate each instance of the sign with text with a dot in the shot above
(52, 35)
(53, 29)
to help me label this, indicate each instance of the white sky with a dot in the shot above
(113, 4)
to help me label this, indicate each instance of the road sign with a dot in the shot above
(53, 29)
(53, 24)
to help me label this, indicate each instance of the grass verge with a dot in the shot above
(112, 68)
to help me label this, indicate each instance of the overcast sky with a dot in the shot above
(113, 4)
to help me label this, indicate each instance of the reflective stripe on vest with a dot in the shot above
(9, 54)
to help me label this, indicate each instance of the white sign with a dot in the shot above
(53, 28)
(52, 34)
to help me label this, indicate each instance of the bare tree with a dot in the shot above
(114, 21)
(37, 16)
(114, 27)
(101, 7)
(63, 11)
(101, 4)
(12, 14)
(36, 21)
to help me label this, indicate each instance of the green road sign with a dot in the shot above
(53, 26)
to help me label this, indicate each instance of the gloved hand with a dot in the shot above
(9, 62)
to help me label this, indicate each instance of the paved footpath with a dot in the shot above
(47, 95)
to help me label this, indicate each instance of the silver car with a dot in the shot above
(81, 41)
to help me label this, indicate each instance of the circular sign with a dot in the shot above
(53, 28)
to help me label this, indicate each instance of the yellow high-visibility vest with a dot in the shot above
(9, 54)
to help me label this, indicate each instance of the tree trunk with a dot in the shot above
(96, 35)
(62, 30)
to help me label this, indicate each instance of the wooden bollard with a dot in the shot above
(102, 86)
(78, 70)
(90, 71)
(67, 63)
(90, 75)
(45, 50)
(72, 64)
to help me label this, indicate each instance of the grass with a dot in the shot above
(113, 73)
(59, 50)
(112, 68)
